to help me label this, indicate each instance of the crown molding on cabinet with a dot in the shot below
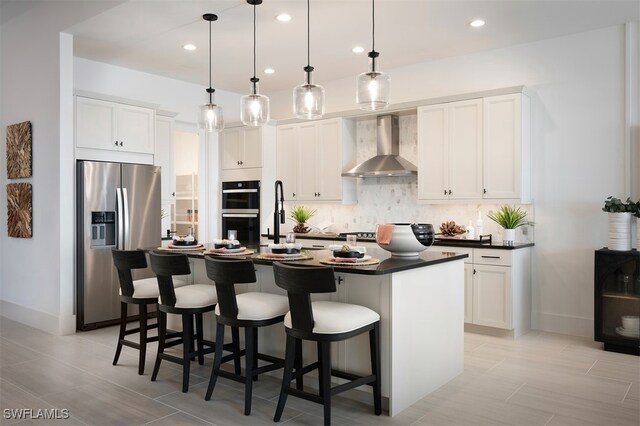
(117, 99)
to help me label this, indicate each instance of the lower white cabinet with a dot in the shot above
(497, 287)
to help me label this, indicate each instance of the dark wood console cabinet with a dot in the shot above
(617, 294)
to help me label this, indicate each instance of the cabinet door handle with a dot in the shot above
(237, 163)
(241, 163)
(121, 143)
(445, 192)
(484, 190)
(318, 194)
(490, 257)
(173, 194)
(449, 192)
(293, 194)
(116, 143)
(340, 279)
(474, 272)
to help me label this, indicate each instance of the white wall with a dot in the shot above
(173, 95)
(577, 101)
(36, 285)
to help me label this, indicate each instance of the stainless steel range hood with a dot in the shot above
(388, 161)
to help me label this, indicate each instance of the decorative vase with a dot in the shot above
(508, 237)
(619, 231)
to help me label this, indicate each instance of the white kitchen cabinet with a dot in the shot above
(186, 210)
(450, 151)
(163, 157)
(114, 126)
(506, 160)
(497, 287)
(241, 148)
(311, 157)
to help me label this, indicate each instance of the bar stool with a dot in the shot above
(323, 322)
(189, 301)
(141, 292)
(248, 310)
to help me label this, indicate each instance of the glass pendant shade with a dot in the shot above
(308, 99)
(210, 118)
(372, 89)
(254, 108)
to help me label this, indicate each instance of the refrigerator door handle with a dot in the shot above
(119, 219)
(125, 201)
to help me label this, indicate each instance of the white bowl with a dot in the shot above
(404, 242)
(631, 323)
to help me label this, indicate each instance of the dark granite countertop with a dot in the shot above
(387, 265)
(448, 243)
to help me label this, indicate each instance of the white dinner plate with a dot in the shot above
(628, 333)
(362, 259)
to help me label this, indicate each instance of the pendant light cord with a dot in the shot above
(373, 25)
(210, 92)
(308, 36)
(254, 41)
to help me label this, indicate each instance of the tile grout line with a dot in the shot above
(592, 365)
(550, 418)
(515, 391)
(627, 392)
(477, 347)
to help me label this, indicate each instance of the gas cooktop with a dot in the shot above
(360, 235)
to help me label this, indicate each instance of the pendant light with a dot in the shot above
(372, 87)
(254, 108)
(308, 98)
(210, 117)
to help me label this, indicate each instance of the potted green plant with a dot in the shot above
(301, 214)
(620, 213)
(635, 211)
(509, 218)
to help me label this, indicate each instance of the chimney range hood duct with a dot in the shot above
(388, 161)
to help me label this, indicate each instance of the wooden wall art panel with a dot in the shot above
(19, 210)
(19, 150)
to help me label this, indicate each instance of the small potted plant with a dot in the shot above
(620, 214)
(509, 218)
(635, 211)
(301, 214)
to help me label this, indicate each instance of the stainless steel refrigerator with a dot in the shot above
(117, 205)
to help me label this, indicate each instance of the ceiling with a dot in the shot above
(148, 35)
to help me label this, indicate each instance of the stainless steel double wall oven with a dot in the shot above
(241, 210)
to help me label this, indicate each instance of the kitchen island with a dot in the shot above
(421, 307)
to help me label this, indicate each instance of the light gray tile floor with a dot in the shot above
(537, 379)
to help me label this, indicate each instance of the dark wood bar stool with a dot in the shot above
(189, 301)
(142, 292)
(323, 322)
(248, 310)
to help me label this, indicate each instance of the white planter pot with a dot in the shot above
(619, 235)
(508, 236)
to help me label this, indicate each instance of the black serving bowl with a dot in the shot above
(348, 254)
(184, 243)
(227, 246)
(285, 250)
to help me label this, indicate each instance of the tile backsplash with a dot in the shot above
(394, 199)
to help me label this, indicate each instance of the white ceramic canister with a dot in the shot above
(619, 231)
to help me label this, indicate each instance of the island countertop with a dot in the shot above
(387, 265)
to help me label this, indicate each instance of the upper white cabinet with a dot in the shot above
(475, 149)
(506, 162)
(163, 157)
(241, 148)
(114, 126)
(450, 151)
(311, 157)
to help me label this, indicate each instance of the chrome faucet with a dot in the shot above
(278, 212)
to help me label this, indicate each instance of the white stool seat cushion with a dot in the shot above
(258, 306)
(195, 296)
(336, 317)
(146, 288)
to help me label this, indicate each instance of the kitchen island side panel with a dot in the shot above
(427, 331)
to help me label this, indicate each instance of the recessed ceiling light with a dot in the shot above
(283, 17)
(358, 49)
(189, 47)
(269, 70)
(477, 23)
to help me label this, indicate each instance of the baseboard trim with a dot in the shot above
(58, 325)
(563, 324)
